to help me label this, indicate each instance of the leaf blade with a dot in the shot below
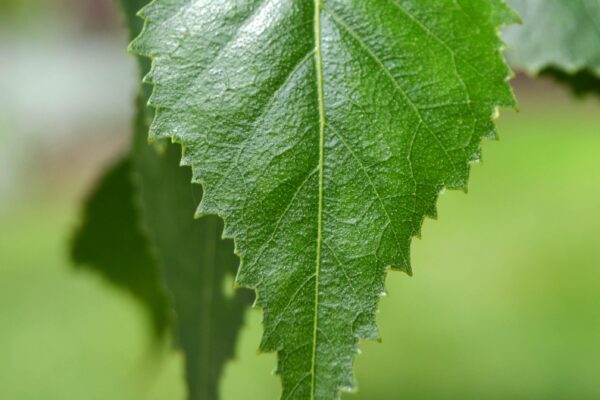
(323, 171)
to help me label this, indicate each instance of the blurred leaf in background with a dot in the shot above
(111, 242)
(560, 39)
(197, 265)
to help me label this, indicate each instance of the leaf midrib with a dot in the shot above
(321, 102)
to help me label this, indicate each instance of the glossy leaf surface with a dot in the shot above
(323, 132)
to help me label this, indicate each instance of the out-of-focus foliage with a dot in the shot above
(581, 82)
(110, 241)
(57, 15)
(196, 263)
(558, 38)
(11, 8)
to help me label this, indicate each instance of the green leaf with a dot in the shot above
(323, 132)
(129, 9)
(196, 263)
(111, 242)
(140, 220)
(129, 247)
(195, 260)
(558, 38)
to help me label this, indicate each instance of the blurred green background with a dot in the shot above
(504, 304)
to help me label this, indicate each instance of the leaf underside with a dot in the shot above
(560, 39)
(323, 132)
